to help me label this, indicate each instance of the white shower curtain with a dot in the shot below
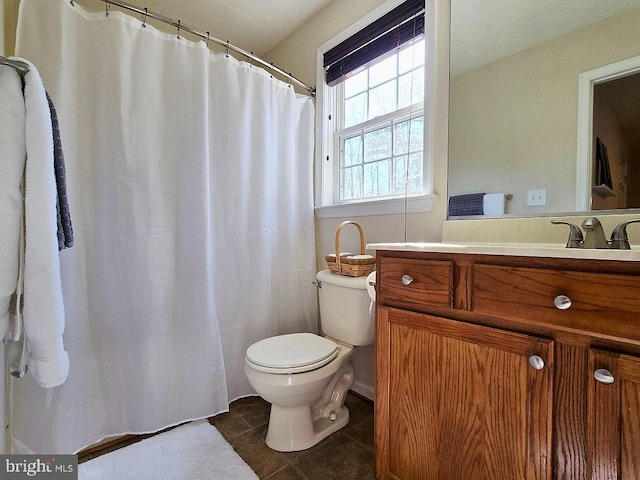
(189, 180)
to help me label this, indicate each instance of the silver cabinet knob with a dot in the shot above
(562, 302)
(603, 376)
(536, 362)
(407, 280)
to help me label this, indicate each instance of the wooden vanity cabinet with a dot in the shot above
(614, 417)
(483, 373)
(463, 400)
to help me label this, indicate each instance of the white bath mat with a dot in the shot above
(195, 451)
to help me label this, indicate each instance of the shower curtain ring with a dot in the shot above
(144, 17)
(270, 68)
(73, 4)
(208, 35)
(226, 49)
(251, 60)
(178, 37)
(107, 7)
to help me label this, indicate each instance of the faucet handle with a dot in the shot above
(575, 234)
(619, 238)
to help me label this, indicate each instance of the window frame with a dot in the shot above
(327, 202)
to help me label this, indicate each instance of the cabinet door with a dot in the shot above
(614, 416)
(460, 401)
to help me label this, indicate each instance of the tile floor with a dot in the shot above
(345, 455)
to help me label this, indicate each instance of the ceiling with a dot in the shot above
(253, 25)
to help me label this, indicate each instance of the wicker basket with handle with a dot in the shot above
(351, 267)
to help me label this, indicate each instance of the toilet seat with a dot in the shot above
(292, 353)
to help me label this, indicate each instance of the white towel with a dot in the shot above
(12, 154)
(493, 204)
(43, 306)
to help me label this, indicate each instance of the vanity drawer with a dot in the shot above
(415, 282)
(601, 303)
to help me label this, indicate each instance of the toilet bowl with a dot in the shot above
(294, 423)
(306, 376)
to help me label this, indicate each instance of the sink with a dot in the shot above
(555, 250)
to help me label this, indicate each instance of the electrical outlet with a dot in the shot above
(537, 197)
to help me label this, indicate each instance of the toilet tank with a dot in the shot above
(347, 313)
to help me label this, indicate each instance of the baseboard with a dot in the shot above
(363, 390)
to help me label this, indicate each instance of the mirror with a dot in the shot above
(514, 103)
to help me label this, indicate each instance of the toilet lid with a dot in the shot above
(292, 353)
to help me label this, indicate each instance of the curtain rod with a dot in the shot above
(205, 36)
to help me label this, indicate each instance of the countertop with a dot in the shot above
(513, 249)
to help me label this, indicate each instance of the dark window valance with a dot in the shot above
(400, 25)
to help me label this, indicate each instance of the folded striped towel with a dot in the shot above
(467, 204)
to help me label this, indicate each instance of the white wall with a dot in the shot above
(8, 22)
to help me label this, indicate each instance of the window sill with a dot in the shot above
(392, 206)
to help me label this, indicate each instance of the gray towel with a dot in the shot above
(65, 229)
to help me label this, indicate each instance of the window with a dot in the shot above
(379, 128)
(371, 120)
(371, 115)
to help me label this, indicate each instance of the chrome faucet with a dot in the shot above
(575, 234)
(619, 238)
(594, 236)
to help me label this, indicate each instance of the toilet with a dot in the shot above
(305, 376)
